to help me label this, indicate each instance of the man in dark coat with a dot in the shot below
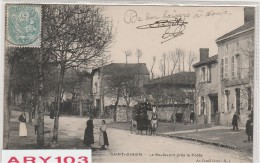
(235, 121)
(89, 133)
(249, 128)
(192, 116)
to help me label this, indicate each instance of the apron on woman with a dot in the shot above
(103, 139)
(22, 127)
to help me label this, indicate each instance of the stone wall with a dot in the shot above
(166, 112)
(121, 114)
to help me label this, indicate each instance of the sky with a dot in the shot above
(203, 26)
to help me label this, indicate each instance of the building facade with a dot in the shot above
(206, 93)
(236, 77)
(107, 80)
(173, 95)
(225, 82)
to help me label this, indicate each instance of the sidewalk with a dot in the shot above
(221, 136)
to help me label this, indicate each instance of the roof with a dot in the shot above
(243, 28)
(180, 78)
(124, 69)
(210, 60)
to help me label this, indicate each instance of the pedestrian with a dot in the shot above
(235, 121)
(103, 139)
(192, 116)
(249, 128)
(22, 127)
(89, 133)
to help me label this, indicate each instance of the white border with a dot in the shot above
(255, 3)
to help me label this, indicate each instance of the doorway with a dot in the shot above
(238, 100)
(214, 107)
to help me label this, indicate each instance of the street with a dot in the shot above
(146, 148)
(127, 147)
(161, 149)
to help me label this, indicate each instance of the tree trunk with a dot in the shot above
(6, 104)
(80, 101)
(116, 103)
(127, 108)
(56, 119)
(40, 108)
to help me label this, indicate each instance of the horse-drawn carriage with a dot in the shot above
(143, 119)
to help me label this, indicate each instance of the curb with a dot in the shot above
(218, 144)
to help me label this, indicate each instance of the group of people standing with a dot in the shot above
(89, 134)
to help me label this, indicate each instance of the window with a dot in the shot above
(226, 68)
(96, 88)
(205, 74)
(238, 58)
(222, 68)
(233, 66)
(209, 73)
(202, 106)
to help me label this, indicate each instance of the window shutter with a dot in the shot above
(226, 68)
(235, 66)
(200, 75)
(209, 73)
(205, 110)
(199, 105)
(206, 73)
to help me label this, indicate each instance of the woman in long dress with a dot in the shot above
(22, 128)
(89, 133)
(103, 139)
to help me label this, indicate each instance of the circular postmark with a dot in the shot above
(23, 24)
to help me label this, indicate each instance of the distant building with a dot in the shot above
(236, 58)
(173, 94)
(102, 75)
(207, 83)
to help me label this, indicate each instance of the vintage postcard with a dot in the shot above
(129, 83)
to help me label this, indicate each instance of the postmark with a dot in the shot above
(23, 25)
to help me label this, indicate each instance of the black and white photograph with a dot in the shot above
(131, 83)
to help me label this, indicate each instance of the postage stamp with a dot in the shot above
(23, 27)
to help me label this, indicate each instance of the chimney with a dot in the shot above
(249, 14)
(204, 54)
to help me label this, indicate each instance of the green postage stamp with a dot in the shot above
(23, 25)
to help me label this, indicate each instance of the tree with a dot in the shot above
(180, 55)
(127, 54)
(154, 60)
(131, 88)
(164, 58)
(26, 76)
(139, 54)
(174, 57)
(128, 87)
(113, 89)
(191, 60)
(75, 36)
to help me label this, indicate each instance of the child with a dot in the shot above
(103, 140)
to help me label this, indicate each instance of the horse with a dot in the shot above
(154, 123)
